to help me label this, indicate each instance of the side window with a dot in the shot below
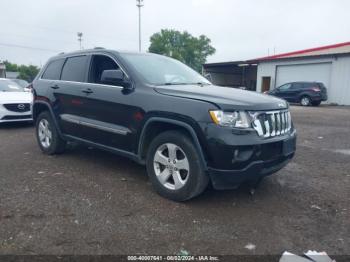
(53, 70)
(74, 69)
(99, 63)
(298, 86)
(285, 87)
(309, 85)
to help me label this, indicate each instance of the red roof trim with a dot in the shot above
(302, 51)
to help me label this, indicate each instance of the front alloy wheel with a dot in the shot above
(174, 166)
(171, 166)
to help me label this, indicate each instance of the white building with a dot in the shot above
(328, 64)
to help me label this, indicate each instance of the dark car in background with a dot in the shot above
(160, 113)
(305, 93)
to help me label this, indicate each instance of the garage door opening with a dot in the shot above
(239, 74)
(318, 72)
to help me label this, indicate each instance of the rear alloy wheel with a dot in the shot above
(305, 101)
(174, 167)
(47, 135)
(44, 133)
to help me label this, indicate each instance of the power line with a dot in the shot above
(30, 47)
(26, 37)
(63, 31)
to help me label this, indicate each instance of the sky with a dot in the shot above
(33, 31)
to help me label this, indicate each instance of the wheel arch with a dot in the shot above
(41, 106)
(301, 95)
(156, 125)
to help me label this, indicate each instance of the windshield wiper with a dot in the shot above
(202, 84)
(177, 84)
(174, 84)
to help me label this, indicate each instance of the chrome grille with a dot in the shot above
(272, 123)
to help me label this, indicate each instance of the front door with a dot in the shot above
(108, 114)
(284, 91)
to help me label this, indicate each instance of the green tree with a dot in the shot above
(27, 73)
(182, 46)
(10, 67)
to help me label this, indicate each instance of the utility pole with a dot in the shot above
(139, 4)
(80, 39)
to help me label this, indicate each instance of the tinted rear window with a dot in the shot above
(298, 85)
(321, 85)
(308, 85)
(74, 69)
(53, 70)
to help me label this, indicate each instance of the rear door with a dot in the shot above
(69, 94)
(294, 91)
(48, 81)
(108, 115)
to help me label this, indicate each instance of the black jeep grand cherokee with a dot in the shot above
(159, 112)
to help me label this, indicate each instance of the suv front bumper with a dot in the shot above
(236, 159)
(229, 179)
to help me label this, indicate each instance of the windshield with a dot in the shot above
(21, 82)
(161, 70)
(9, 86)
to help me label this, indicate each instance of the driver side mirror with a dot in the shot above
(115, 77)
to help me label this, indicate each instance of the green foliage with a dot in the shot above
(27, 73)
(182, 46)
(11, 67)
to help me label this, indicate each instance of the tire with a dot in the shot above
(47, 135)
(305, 101)
(316, 103)
(181, 180)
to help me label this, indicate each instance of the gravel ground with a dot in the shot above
(91, 202)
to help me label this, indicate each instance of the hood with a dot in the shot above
(13, 97)
(224, 97)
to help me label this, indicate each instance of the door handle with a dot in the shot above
(55, 87)
(87, 91)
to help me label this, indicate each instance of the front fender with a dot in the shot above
(179, 123)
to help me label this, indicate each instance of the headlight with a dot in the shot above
(238, 119)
